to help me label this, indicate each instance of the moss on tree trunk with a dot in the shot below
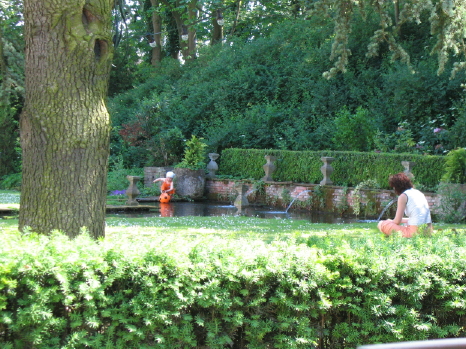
(65, 124)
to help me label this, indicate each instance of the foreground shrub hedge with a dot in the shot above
(350, 168)
(161, 292)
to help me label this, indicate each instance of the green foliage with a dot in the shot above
(318, 198)
(194, 154)
(458, 130)
(401, 141)
(452, 207)
(435, 138)
(455, 166)
(12, 181)
(165, 146)
(10, 153)
(160, 141)
(286, 197)
(116, 179)
(258, 188)
(354, 131)
(342, 205)
(327, 291)
(11, 84)
(350, 168)
(267, 92)
(357, 197)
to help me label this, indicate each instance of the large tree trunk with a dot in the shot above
(65, 124)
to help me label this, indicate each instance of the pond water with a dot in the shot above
(206, 209)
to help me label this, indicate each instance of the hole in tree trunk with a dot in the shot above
(100, 48)
(87, 17)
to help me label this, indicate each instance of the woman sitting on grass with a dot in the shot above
(411, 202)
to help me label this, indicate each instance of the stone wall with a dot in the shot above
(335, 198)
(151, 173)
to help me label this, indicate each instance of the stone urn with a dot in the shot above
(212, 166)
(190, 183)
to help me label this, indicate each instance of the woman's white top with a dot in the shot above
(417, 208)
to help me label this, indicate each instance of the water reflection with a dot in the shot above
(181, 209)
(166, 209)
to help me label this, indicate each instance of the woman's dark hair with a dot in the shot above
(400, 182)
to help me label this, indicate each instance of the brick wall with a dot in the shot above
(224, 190)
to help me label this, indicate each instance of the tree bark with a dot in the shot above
(191, 53)
(188, 48)
(235, 23)
(65, 124)
(157, 28)
(217, 30)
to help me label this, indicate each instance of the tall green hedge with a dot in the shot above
(350, 168)
(158, 292)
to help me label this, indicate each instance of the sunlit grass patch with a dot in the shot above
(8, 228)
(9, 199)
(233, 227)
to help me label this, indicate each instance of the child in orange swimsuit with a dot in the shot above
(167, 184)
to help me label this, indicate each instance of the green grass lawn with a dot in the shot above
(224, 226)
(228, 227)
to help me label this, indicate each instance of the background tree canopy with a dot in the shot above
(268, 77)
(267, 86)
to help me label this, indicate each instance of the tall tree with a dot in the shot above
(185, 14)
(156, 44)
(217, 27)
(65, 124)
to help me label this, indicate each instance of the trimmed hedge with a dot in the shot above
(324, 292)
(350, 168)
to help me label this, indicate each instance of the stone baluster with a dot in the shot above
(241, 200)
(408, 165)
(269, 168)
(132, 192)
(326, 170)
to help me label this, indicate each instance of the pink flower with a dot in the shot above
(438, 129)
